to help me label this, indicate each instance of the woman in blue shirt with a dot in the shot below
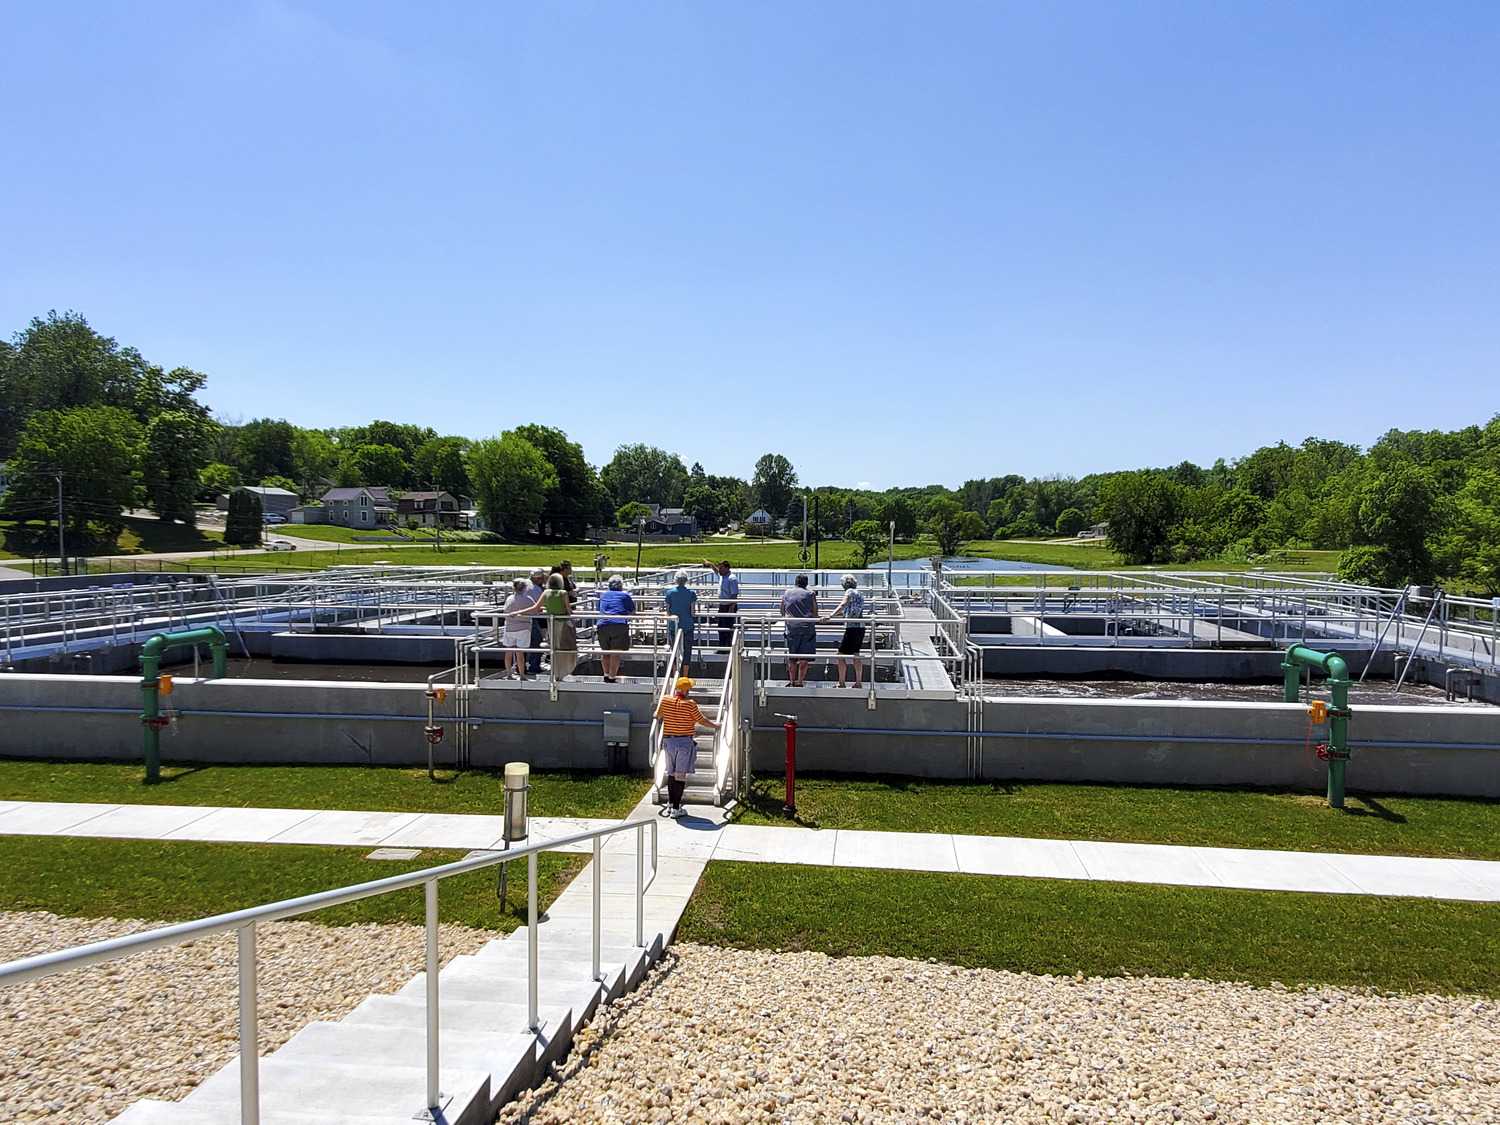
(615, 607)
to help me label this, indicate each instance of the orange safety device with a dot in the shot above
(164, 685)
(1318, 711)
(439, 694)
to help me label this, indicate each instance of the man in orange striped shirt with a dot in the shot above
(680, 720)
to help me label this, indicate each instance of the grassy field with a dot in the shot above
(1097, 556)
(1106, 929)
(170, 881)
(553, 792)
(143, 536)
(1226, 818)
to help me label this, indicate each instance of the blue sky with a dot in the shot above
(900, 243)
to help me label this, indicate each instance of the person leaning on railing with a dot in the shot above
(852, 610)
(533, 593)
(680, 720)
(680, 601)
(615, 608)
(562, 635)
(520, 611)
(800, 609)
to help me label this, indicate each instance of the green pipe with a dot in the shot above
(151, 651)
(1299, 656)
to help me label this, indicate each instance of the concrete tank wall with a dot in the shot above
(1453, 750)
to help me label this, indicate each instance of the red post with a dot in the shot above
(791, 766)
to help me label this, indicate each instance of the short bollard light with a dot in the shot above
(517, 786)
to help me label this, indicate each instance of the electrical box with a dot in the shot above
(616, 739)
(164, 685)
(1318, 711)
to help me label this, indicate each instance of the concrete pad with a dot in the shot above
(251, 826)
(556, 827)
(764, 843)
(1009, 855)
(1482, 872)
(1144, 863)
(448, 830)
(50, 818)
(1409, 877)
(895, 851)
(1263, 870)
(141, 822)
(337, 826)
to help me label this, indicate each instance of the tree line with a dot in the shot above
(120, 432)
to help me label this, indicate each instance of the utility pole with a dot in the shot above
(62, 554)
(817, 534)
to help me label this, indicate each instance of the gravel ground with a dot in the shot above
(84, 1045)
(728, 1036)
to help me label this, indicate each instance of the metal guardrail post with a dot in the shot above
(533, 1023)
(249, 1030)
(434, 1095)
(598, 903)
(640, 886)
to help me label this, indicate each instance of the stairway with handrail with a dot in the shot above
(715, 780)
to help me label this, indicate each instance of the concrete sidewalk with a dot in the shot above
(702, 836)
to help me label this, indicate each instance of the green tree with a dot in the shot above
(512, 482)
(60, 363)
(629, 514)
(175, 452)
(404, 437)
(315, 458)
(869, 539)
(439, 464)
(1469, 549)
(263, 448)
(1397, 511)
(242, 523)
(578, 502)
(1070, 522)
(900, 511)
(647, 474)
(775, 484)
(1140, 509)
(97, 450)
(217, 479)
(951, 525)
(380, 465)
(279, 482)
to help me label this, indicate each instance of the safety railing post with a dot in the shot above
(598, 901)
(434, 1096)
(640, 886)
(249, 1030)
(532, 1022)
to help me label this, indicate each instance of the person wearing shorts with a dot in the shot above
(680, 601)
(520, 611)
(800, 609)
(852, 610)
(680, 720)
(615, 608)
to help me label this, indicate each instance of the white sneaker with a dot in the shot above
(677, 814)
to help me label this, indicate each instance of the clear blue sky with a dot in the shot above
(900, 243)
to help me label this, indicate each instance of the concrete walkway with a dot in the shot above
(702, 836)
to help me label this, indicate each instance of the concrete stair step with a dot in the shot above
(347, 1091)
(149, 1112)
(509, 1057)
(506, 978)
(631, 962)
(553, 963)
(560, 1008)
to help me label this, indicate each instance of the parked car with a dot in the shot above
(280, 545)
(272, 517)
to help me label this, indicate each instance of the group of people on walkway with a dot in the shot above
(544, 607)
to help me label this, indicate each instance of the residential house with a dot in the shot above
(1098, 531)
(671, 521)
(307, 513)
(429, 509)
(365, 507)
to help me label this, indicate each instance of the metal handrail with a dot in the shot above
(727, 735)
(653, 743)
(243, 922)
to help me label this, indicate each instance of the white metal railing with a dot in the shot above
(244, 922)
(727, 737)
(658, 759)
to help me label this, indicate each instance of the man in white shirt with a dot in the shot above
(729, 601)
(530, 596)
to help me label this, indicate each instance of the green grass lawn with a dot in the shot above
(333, 533)
(1105, 929)
(144, 536)
(1225, 818)
(1098, 556)
(170, 881)
(553, 792)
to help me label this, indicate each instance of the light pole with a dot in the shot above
(890, 561)
(62, 554)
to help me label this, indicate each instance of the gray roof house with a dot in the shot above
(273, 501)
(357, 507)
